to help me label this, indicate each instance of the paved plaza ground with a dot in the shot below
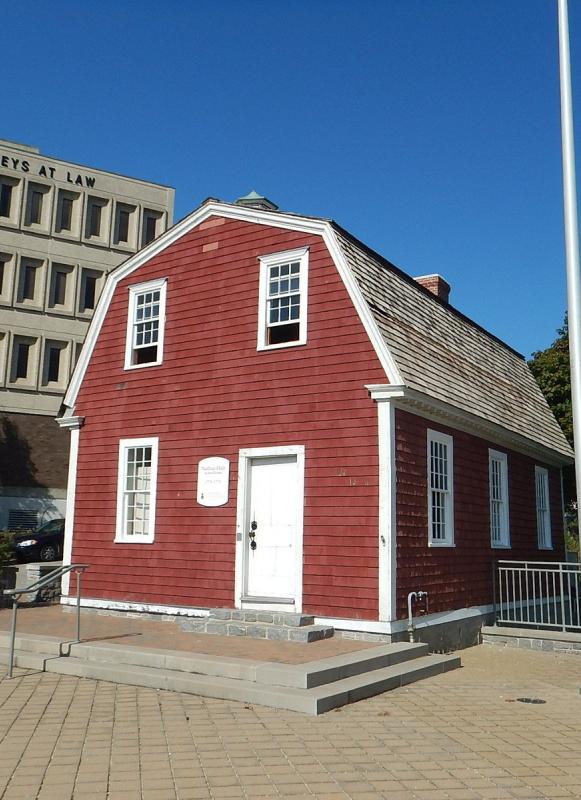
(459, 736)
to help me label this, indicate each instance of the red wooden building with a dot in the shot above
(267, 414)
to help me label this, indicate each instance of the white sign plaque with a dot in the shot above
(213, 478)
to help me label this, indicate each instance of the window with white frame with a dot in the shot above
(543, 508)
(498, 482)
(440, 489)
(282, 313)
(146, 321)
(136, 490)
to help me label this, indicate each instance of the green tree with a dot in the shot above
(552, 372)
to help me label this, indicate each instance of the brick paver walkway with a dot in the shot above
(167, 635)
(459, 736)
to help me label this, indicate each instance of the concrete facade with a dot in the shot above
(63, 228)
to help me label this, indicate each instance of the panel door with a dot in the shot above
(271, 524)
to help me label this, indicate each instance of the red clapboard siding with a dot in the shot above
(214, 394)
(461, 576)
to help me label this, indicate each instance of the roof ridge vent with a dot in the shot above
(255, 200)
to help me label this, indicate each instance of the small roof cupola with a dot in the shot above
(255, 200)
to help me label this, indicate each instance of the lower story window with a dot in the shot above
(136, 490)
(440, 489)
(543, 508)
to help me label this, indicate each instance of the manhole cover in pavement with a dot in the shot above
(534, 700)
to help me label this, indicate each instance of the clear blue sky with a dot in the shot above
(428, 128)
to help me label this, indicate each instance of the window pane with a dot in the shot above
(35, 207)
(28, 282)
(66, 217)
(95, 220)
(22, 353)
(54, 357)
(5, 199)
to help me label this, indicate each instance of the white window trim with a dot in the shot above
(124, 445)
(502, 458)
(543, 474)
(444, 438)
(301, 255)
(134, 291)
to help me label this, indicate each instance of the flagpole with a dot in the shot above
(571, 238)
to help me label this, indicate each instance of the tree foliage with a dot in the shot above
(552, 372)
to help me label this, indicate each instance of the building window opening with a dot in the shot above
(95, 220)
(22, 359)
(284, 303)
(5, 199)
(2, 271)
(66, 215)
(146, 324)
(89, 292)
(136, 490)
(59, 290)
(150, 229)
(123, 226)
(53, 367)
(146, 327)
(35, 207)
(29, 282)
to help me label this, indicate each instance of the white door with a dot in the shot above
(271, 527)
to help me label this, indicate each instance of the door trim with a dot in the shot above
(245, 456)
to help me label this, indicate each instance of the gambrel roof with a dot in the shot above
(437, 362)
(445, 356)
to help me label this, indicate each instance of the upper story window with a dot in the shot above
(136, 490)
(440, 489)
(5, 199)
(61, 288)
(30, 290)
(88, 294)
(67, 216)
(10, 190)
(24, 361)
(54, 373)
(543, 508)
(124, 230)
(6, 277)
(498, 481)
(151, 226)
(37, 205)
(146, 322)
(97, 220)
(282, 313)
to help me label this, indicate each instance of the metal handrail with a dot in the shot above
(52, 576)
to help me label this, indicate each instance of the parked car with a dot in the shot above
(43, 544)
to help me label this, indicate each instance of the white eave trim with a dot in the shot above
(317, 227)
(70, 423)
(438, 410)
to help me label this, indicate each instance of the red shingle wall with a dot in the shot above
(461, 576)
(214, 394)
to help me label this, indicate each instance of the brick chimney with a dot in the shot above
(436, 285)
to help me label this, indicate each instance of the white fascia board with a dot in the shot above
(286, 221)
(431, 408)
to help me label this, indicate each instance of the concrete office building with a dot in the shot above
(63, 227)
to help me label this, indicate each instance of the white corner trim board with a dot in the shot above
(257, 216)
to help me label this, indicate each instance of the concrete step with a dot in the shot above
(301, 676)
(286, 618)
(315, 700)
(258, 630)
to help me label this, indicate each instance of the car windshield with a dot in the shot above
(54, 526)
